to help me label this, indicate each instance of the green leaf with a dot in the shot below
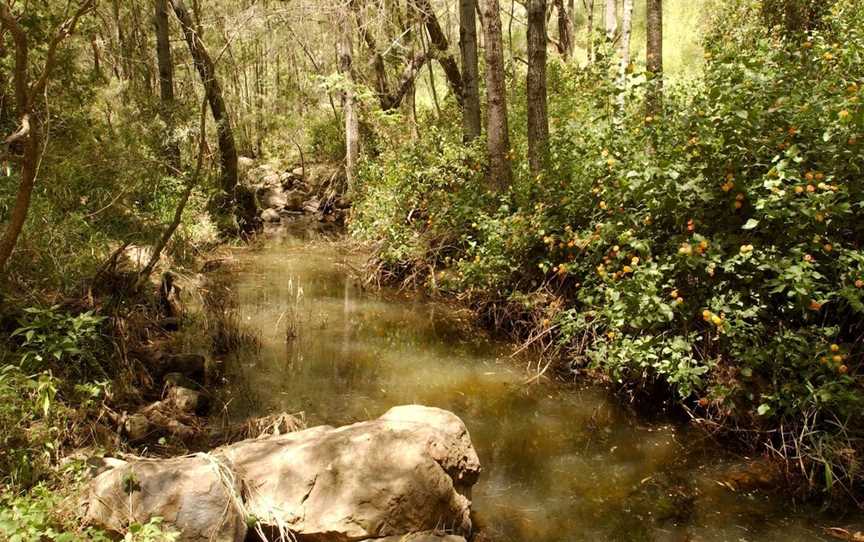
(752, 223)
(764, 409)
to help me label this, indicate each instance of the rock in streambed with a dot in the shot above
(409, 472)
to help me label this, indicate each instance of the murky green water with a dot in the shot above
(560, 463)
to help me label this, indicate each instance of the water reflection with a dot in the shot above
(560, 464)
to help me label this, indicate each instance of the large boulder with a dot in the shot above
(409, 471)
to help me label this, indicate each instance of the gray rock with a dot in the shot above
(136, 427)
(270, 215)
(194, 494)
(409, 471)
(244, 164)
(179, 379)
(187, 400)
(272, 197)
(294, 200)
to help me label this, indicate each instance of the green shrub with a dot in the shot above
(716, 250)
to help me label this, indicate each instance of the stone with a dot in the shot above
(187, 400)
(298, 172)
(272, 197)
(196, 495)
(179, 379)
(270, 215)
(136, 427)
(409, 471)
(294, 200)
(244, 163)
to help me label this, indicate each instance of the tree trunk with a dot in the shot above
(440, 48)
(626, 32)
(349, 104)
(497, 131)
(470, 70)
(236, 202)
(565, 31)
(538, 120)
(29, 167)
(28, 138)
(610, 19)
(654, 57)
(166, 85)
(589, 8)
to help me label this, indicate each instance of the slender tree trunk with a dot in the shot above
(626, 32)
(470, 70)
(610, 19)
(29, 167)
(497, 131)
(236, 200)
(589, 8)
(565, 31)
(654, 57)
(349, 103)
(538, 120)
(166, 84)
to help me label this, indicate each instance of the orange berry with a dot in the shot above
(859, 283)
(842, 369)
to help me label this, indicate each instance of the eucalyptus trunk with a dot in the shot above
(538, 118)
(166, 84)
(654, 57)
(470, 70)
(235, 200)
(344, 51)
(497, 130)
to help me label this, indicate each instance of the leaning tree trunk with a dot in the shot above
(470, 70)
(166, 84)
(654, 58)
(235, 200)
(440, 48)
(349, 104)
(538, 119)
(497, 130)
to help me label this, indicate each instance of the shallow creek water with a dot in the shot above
(560, 462)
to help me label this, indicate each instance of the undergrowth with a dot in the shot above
(715, 251)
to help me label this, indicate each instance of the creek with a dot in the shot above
(561, 461)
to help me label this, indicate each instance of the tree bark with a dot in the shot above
(626, 33)
(28, 138)
(589, 9)
(565, 31)
(236, 202)
(166, 84)
(538, 119)
(470, 70)
(349, 103)
(610, 19)
(497, 130)
(440, 48)
(654, 57)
